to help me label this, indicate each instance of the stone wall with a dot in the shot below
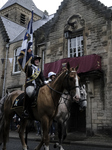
(14, 14)
(97, 34)
(14, 81)
(2, 64)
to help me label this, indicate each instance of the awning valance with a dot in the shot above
(86, 63)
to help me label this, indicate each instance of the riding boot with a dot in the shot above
(27, 103)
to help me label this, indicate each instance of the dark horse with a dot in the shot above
(63, 113)
(45, 109)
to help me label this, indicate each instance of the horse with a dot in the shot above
(44, 110)
(64, 113)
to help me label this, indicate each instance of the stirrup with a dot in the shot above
(25, 114)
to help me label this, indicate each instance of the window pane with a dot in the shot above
(75, 46)
(70, 50)
(74, 54)
(16, 67)
(70, 55)
(18, 51)
(78, 49)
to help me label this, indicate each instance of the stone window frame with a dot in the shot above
(15, 62)
(73, 32)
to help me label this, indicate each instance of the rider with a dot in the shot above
(35, 79)
(51, 76)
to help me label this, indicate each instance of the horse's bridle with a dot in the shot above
(67, 89)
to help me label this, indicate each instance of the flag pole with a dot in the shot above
(26, 70)
(26, 53)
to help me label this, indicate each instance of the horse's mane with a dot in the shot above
(58, 75)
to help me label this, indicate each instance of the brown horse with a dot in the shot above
(45, 109)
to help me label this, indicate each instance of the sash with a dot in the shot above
(33, 76)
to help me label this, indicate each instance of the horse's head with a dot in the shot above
(72, 83)
(83, 99)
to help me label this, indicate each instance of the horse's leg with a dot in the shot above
(64, 134)
(60, 135)
(6, 130)
(21, 133)
(45, 124)
(64, 130)
(60, 131)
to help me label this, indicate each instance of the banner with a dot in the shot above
(26, 53)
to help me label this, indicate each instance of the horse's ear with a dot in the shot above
(68, 66)
(76, 68)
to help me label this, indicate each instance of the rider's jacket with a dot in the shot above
(34, 76)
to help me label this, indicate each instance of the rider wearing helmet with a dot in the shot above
(35, 79)
(51, 76)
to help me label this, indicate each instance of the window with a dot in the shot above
(75, 47)
(16, 68)
(22, 19)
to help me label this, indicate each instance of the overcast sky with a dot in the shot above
(52, 5)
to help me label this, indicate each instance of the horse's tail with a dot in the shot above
(2, 101)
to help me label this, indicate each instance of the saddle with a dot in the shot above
(18, 102)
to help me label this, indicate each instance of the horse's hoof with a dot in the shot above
(55, 146)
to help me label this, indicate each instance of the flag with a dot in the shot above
(10, 59)
(26, 53)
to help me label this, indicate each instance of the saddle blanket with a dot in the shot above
(18, 101)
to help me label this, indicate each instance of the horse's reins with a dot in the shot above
(62, 92)
(54, 90)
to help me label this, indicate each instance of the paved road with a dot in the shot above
(14, 144)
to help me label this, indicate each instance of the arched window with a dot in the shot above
(16, 68)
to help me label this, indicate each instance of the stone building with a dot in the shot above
(79, 28)
(14, 18)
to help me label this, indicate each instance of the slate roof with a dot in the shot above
(24, 3)
(3, 31)
(36, 25)
(12, 29)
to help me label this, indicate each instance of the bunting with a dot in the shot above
(3, 59)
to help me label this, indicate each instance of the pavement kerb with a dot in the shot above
(93, 144)
(85, 142)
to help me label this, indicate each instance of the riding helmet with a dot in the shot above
(34, 58)
(51, 74)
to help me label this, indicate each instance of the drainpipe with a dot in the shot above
(5, 71)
